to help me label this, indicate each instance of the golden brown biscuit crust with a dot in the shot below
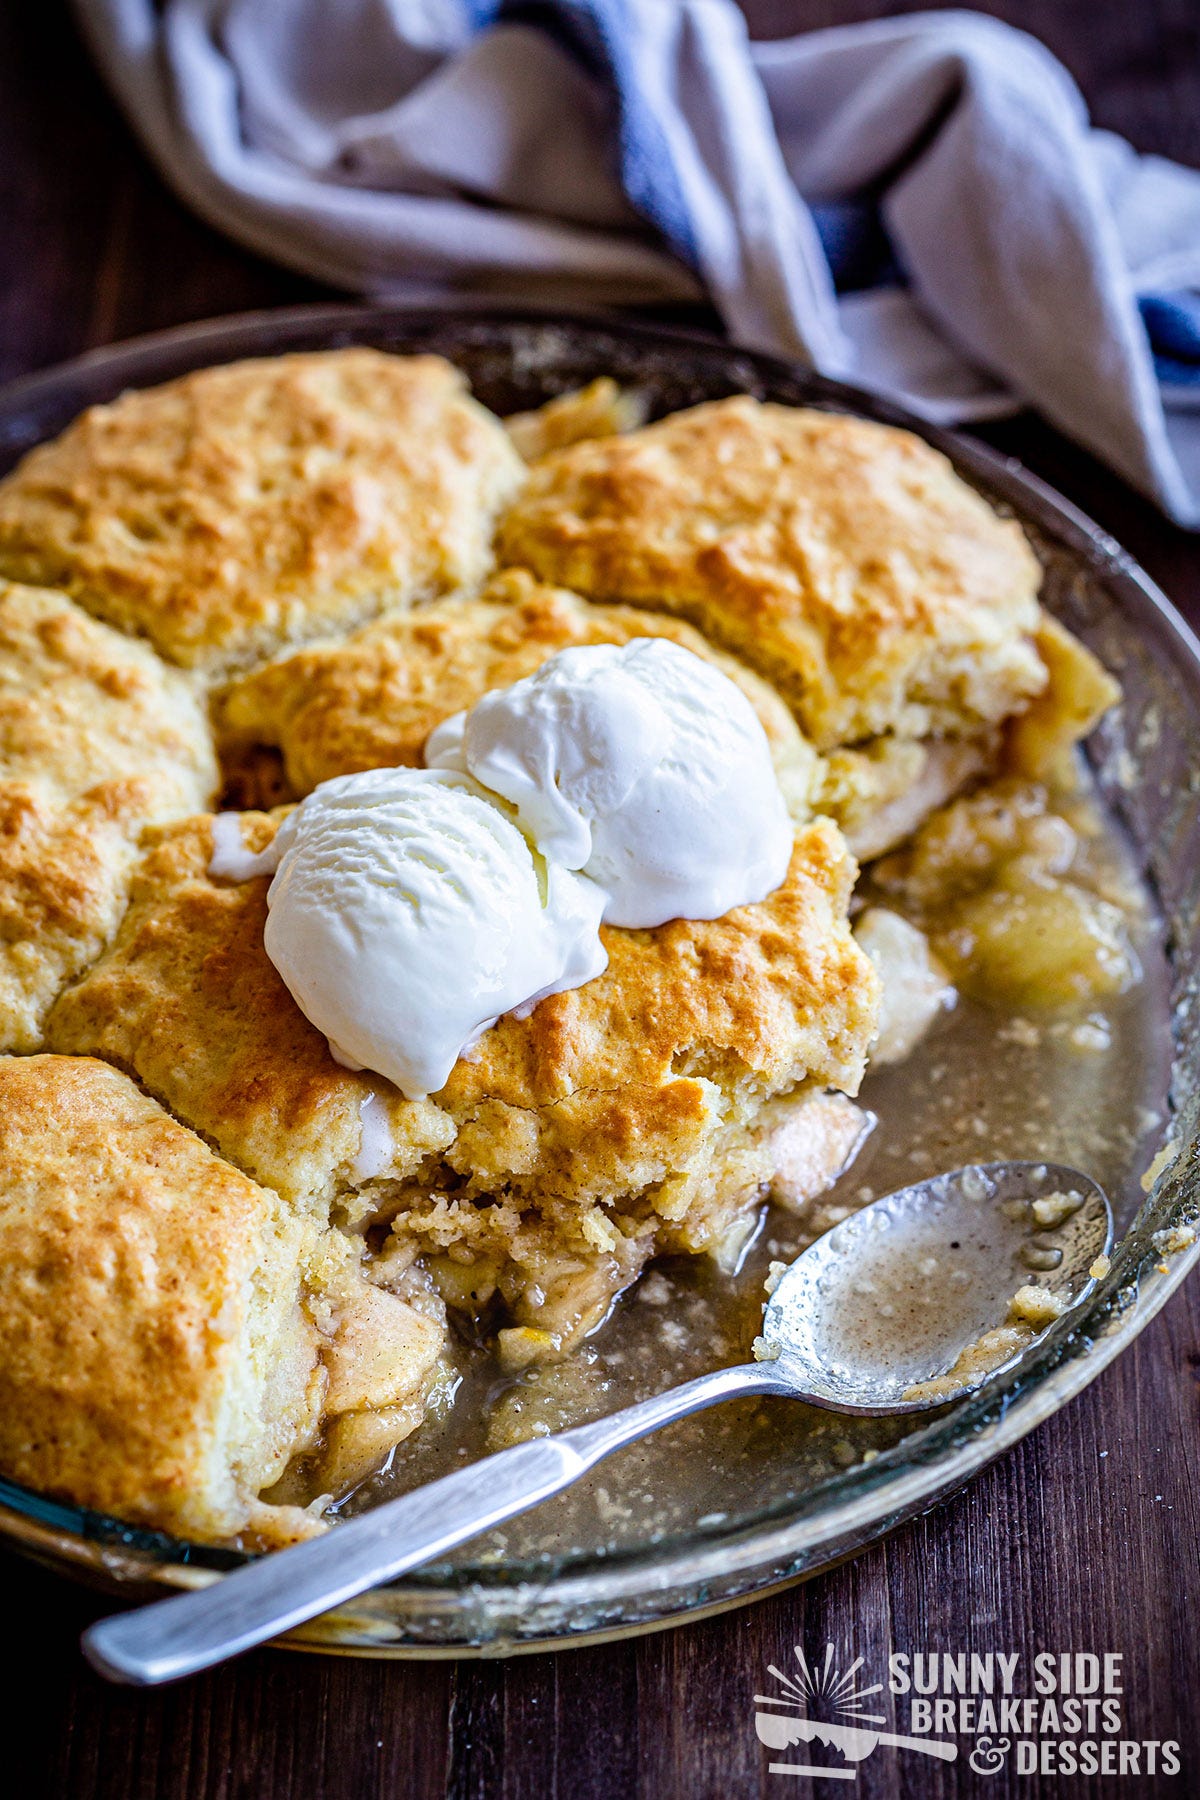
(155, 1360)
(64, 872)
(371, 702)
(97, 739)
(843, 559)
(246, 507)
(775, 993)
(188, 1000)
(81, 704)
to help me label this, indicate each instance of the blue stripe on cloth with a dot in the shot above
(602, 35)
(856, 245)
(1172, 324)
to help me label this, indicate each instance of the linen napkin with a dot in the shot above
(918, 205)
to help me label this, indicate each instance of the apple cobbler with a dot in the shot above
(237, 1271)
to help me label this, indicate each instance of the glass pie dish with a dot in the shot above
(601, 1570)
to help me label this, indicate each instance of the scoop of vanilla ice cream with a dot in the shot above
(643, 766)
(408, 912)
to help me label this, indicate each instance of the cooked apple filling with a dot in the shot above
(1003, 885)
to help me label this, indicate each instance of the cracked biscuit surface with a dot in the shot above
(188, 1001)
(64, 877)
(81, 704)
(97, 739)
(249, 506)
(844, 560)
(372, 700)
(156, 1359)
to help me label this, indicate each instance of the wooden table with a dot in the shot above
(1084, 1538)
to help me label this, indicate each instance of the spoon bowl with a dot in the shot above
(896, 1293)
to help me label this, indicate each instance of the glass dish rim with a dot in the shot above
(923, 1466)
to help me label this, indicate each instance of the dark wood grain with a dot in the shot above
(1084, 1538)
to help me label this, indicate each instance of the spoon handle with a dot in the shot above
(272, 1594)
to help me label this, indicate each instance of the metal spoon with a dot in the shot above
(884, 1301)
